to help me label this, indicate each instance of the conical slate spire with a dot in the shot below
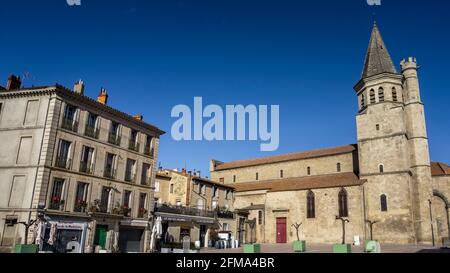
(378, 59)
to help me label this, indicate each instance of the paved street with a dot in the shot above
(317, 248)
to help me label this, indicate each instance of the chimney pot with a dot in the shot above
(103, 96)
(14, 83)
(139, 117)
(79, 87)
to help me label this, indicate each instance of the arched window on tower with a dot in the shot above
(372, 96)
(381, 94)
(383, 203)
(339, 167)
(381, 167)
(311, 205)
(309, 170)
(394, 94)
(343, 206)
(363, 101)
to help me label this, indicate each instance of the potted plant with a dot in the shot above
(142, 213)
(125, 211)
(299, 246)
(95, 207)
(81, 206)
(253, 247)
(56, 203)
(342, 248)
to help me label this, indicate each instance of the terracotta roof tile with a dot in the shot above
(212, 182)
(302, 183)
(287, 157)
(439, 169)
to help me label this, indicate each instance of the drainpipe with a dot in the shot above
(431, 220)
(448, 221)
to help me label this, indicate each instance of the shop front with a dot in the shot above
(132, 236)
(63, 236)
(175, 228)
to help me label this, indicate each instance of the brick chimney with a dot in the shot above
(79, 88)
(14, 83)
(139, 117)
(103, 96)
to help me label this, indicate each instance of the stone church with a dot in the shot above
(385, 185)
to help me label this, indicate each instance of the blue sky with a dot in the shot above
(305, 56)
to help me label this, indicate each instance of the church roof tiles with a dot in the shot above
(303, 183)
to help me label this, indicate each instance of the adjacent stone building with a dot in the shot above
(194, 206)
(386, 178)
(84, 170)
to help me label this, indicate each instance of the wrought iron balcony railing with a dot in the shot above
(63, 163)
(70, 124)
(91, 132)
(185, 211)
(130, 177)
(114, 139)
(133, 146)
(86, 167)
(109, 173)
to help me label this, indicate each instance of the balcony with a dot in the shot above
(56, 203)
(99, 207)
(62, 163)
(114, 139)
(86, 167)
(223, 214)
(133, 146)
(185, 211)
(142, 213)
(109, 173)
(70, 124)
(91, 132)
(149, 151)
(130, 177)
(80, 206)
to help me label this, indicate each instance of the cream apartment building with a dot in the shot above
(85, 171)
(194, 206)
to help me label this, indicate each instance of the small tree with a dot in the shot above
(371, 224)
(252, 225)
(27, 225)
(344, 221)
(297, 228)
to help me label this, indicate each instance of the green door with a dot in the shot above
(100, 236)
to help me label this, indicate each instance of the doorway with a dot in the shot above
(241, 230)
(100, 236)
(202, 235)
(281, 230)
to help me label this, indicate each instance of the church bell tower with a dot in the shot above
(393, 147)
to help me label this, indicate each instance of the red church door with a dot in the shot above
(281, 230)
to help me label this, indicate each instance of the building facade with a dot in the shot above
(82, 170)
(192, 206)
(385, 185)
